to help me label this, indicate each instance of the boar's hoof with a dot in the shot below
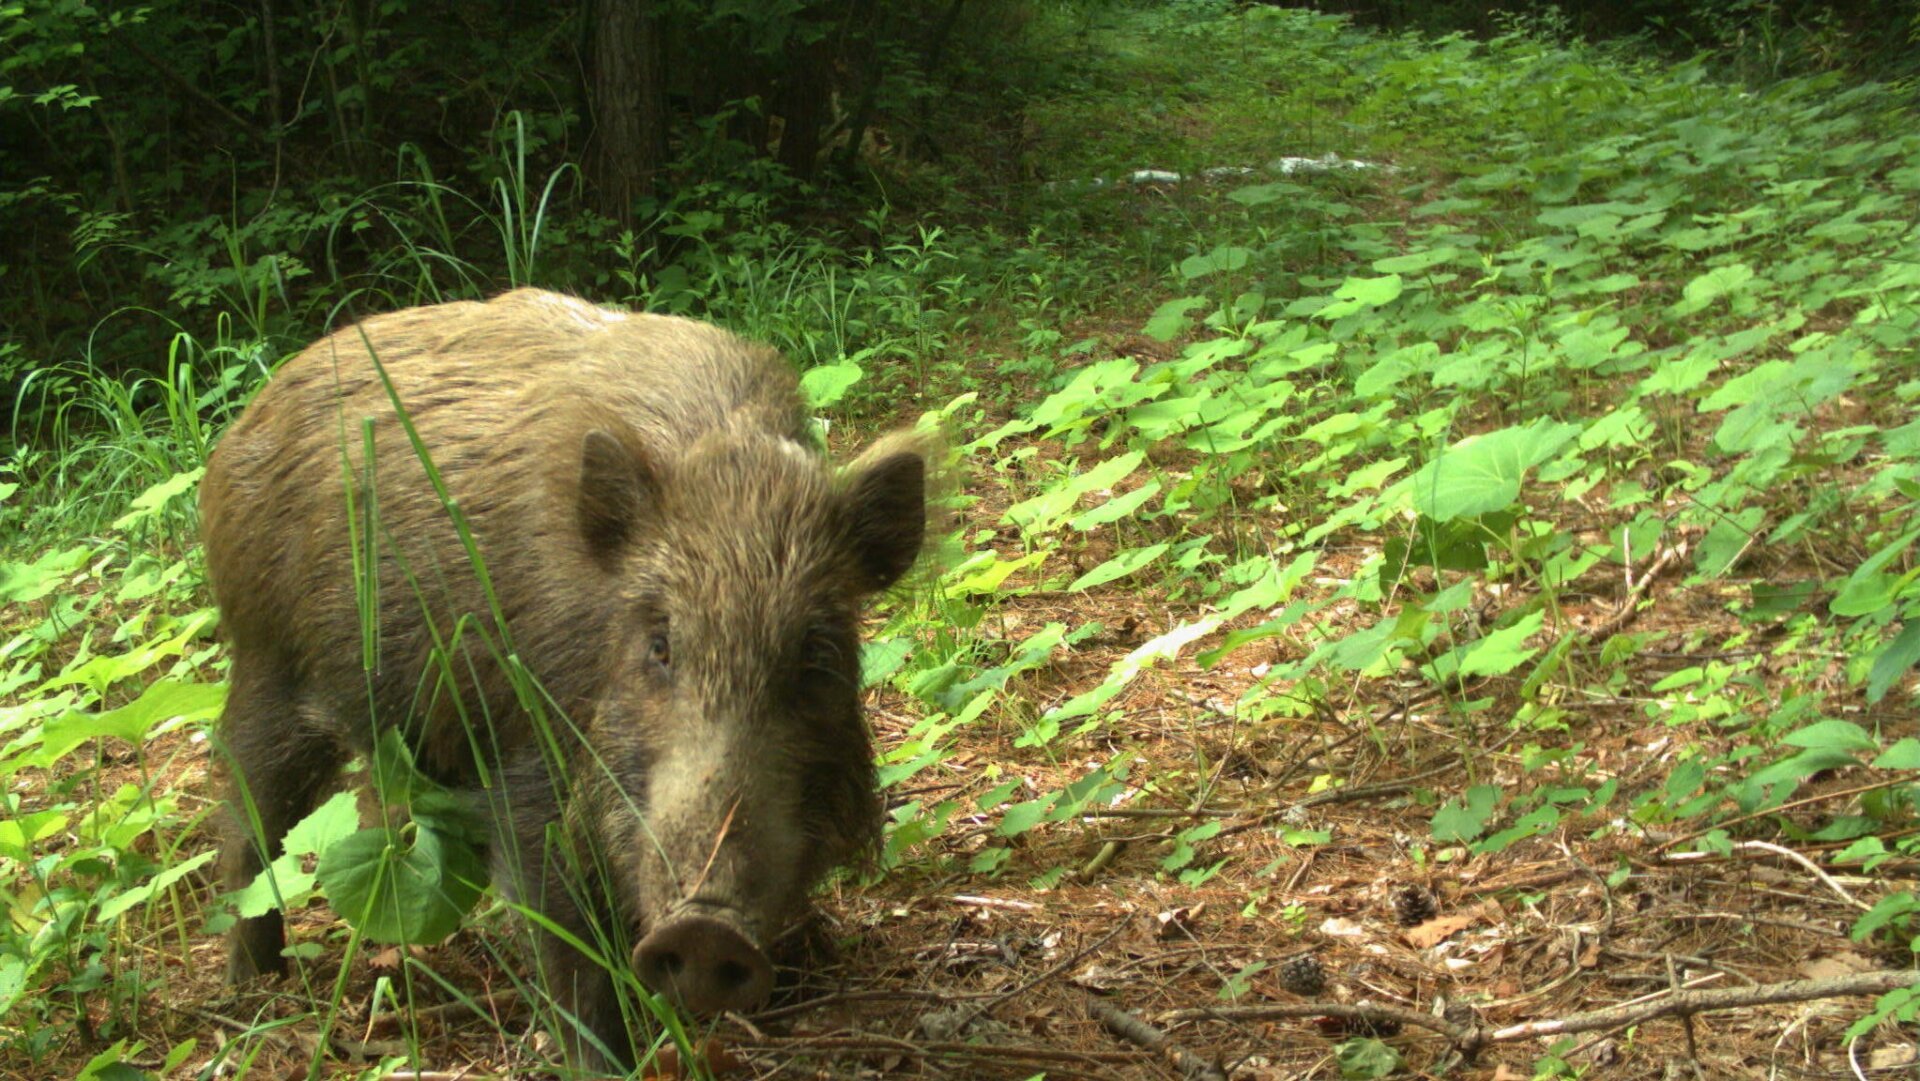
(704, 964)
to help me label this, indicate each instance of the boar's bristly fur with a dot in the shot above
(674, 565)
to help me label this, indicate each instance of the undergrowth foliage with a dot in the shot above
(1428, 433)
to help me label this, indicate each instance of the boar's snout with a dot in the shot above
(704, 964)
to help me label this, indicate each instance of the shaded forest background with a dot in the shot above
(278, 159)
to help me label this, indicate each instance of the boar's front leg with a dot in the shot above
(563, 890)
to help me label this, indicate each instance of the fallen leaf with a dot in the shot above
(1098, 977)
(1892, 1057)
(1439, 929)
(1832, 965)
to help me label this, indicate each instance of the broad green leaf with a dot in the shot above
(405, 886)
(1022, 817)
(1494, 655)
(19, 832)
(881, 658)
(1366, 1059)
(1225, 257)
(1482, 474)
(1466, 819)
(1415, 262)
(154, 499)
(1801, 766)
(1837, 735)
(1169, 319)
(1120, 506)
(140, 894)
(287, 880)
(1262, 194)
(1727, 538)
(1902, 755)
(1118, 567)
(1714, 284)
(32, 581)
(828, 383)
(1358, 294)
(13, 981)
(1894, 660)
(162, 700)
(1044, 511)
(989, 576)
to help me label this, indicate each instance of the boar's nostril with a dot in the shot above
(705, 964)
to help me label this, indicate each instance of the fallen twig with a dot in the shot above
(1683, 1003)
(800, 1045)
(1277, 1011)
(1628, 608)
(1706, 1000)
(1064, 964)
(1135, 1031)
(1783, 852)
(843, 997)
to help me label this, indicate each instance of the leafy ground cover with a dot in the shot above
(1400, 604)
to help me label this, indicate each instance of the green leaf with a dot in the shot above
(1044, 511)
(1801, 766)
(1415, 262)
(154, 499)
(1120, 506)
(1465, 820)
(1839, 735)
(1494, 655)
(140, 894)
(1902, 755)
(828, 383)
(287, 881)
(1169, 319)
(1022, 817)
(1359, 294)
(162, 700)
(111, 1065)
(1119, 566)
(13, 981)
(1366, 1060)
(1727, 538)
(1482, 474)
(1225, 257)
(882, 657)
(1716, 283)
(411, 885)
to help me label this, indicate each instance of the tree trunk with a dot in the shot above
(804, 106)
(626, 97)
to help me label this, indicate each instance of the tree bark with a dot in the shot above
(626, 97)
(803, 105)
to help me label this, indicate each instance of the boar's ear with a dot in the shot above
(887, 498)
(614, 486)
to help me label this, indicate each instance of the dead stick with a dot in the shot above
(1705, 1000)
(1472, 1038)
(1050, 973)
(800, 1045)
(1138, 1032)
(1355, 1011)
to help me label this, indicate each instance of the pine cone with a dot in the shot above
(1413, 904)
(1304, 975)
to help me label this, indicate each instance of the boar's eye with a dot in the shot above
(660, 651)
